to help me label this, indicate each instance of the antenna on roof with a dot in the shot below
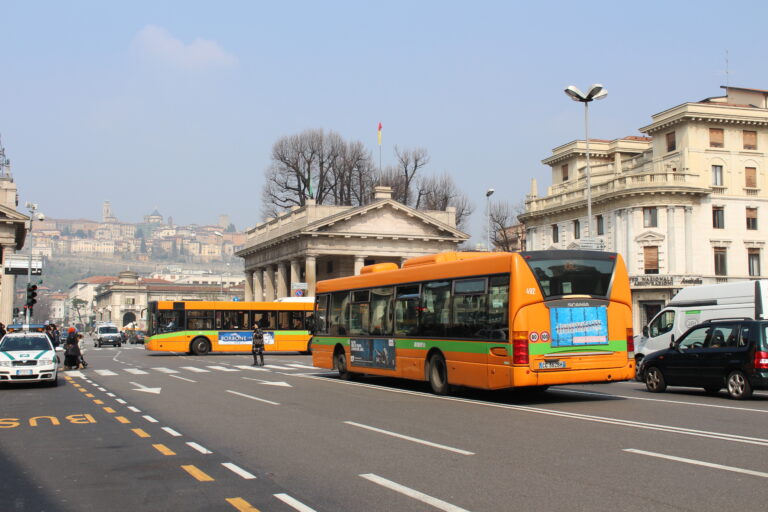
(727, 71)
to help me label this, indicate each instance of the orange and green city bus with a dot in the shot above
(200, 327)
(482, 320)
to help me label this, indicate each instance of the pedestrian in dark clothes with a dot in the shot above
(257, 348)
(71, 351)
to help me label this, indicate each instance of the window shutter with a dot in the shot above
(750, 176)
(750, 139)
(751, 213)
(651, 258)
(715, 137)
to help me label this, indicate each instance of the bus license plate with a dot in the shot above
(23, 372)
(551, 365)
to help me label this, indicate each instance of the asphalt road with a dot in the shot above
(141, 431)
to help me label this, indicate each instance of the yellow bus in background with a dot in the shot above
(200, 327)
(482, 320)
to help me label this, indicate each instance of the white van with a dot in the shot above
(695, 304)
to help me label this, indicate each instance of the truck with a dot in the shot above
(696, 304)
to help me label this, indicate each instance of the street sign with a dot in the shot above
(591, 244)
(299, 289)
(18, 265)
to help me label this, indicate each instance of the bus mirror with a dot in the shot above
(672, 341)
(645, 331)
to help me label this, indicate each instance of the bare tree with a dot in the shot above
(440, 192)
(409, 161)
(507, 234)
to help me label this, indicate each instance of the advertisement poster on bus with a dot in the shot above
(572, 327)
(372, 353)
(235, 338)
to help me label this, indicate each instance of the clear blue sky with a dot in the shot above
(177, 104)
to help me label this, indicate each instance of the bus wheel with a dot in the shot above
(341, 365)
(438, 375)
(200, 346)
(309, 348)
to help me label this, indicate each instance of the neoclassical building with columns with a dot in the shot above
(686, 204)
(287, 255)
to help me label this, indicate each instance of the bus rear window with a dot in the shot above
(569, 276)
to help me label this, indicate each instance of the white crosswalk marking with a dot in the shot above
(276, 367)
(136, 371)
(105, 373)
(164, 370)
(195, 369)
(222, 368)
(255, 368)
(297, 365)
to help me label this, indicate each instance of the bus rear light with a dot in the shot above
(761, 360)
(519, 347)
(630, 344)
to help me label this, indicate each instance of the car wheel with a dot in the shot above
(54, 382)
(654, 380)
(200, 346)
(438, 375)
(341, 365)
(119, 345)
(738, 385)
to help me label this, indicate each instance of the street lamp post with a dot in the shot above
(33, 213)
(488, 194)
(596, 92)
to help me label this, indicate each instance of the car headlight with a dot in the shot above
(5, 363)
(44, 362)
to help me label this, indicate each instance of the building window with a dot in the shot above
(753, 260)
(718, 217)
(721, 268)
(715, 137)
(650, 217)
(600, 225)
(750, 177)
(555, 234)
(329, 267)
(752, 218)
(717, 175)
(577, 229)
(671, 146)
(750, 139)
(564, 171)
(651, 260)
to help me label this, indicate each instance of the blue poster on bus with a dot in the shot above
(572, 327)
(235, 337)
(372, 353)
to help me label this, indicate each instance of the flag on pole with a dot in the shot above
(379, 133)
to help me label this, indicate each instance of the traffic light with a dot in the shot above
(31, 294)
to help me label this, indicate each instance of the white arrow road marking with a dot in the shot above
(105, 373)
(270, 383)
(140, 387)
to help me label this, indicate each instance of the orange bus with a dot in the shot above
(482, 320)
(200, 327)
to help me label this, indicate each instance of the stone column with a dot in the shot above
(258, 284)
(617, 245)
(269, 283)
(295, 272)
(359, 263)
(671, 255)
(7, 290)
(249, 285)
(282, 275)
(630, 256)
(311, 272)
(688, 239)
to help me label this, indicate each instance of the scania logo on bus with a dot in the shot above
(533, 336)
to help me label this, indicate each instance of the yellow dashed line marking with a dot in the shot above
(83, 390)
(197, 474)
(98, 402)
(163, 449)
(122, 419)
(109, 410)
(242, 505)
(139, 432)
(89, 395)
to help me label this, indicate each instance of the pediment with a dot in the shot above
(384, 218)
(7, 213)
(650, 237)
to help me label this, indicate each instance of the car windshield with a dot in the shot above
(10, 343)
(107, 330)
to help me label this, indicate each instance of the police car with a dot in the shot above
(28, 357)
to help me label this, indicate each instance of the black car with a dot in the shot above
(728, 353)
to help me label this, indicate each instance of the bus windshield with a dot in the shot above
(573, 276)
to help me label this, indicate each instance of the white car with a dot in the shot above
(28, 357)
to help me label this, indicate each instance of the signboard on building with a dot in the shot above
(18, 265)
(299, 289)
(663, 281)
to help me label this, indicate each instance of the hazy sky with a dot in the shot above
(176, 105)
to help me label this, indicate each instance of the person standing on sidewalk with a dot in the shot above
(257, 348)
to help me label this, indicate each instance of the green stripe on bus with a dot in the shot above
(176, 334)
(482, 347)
